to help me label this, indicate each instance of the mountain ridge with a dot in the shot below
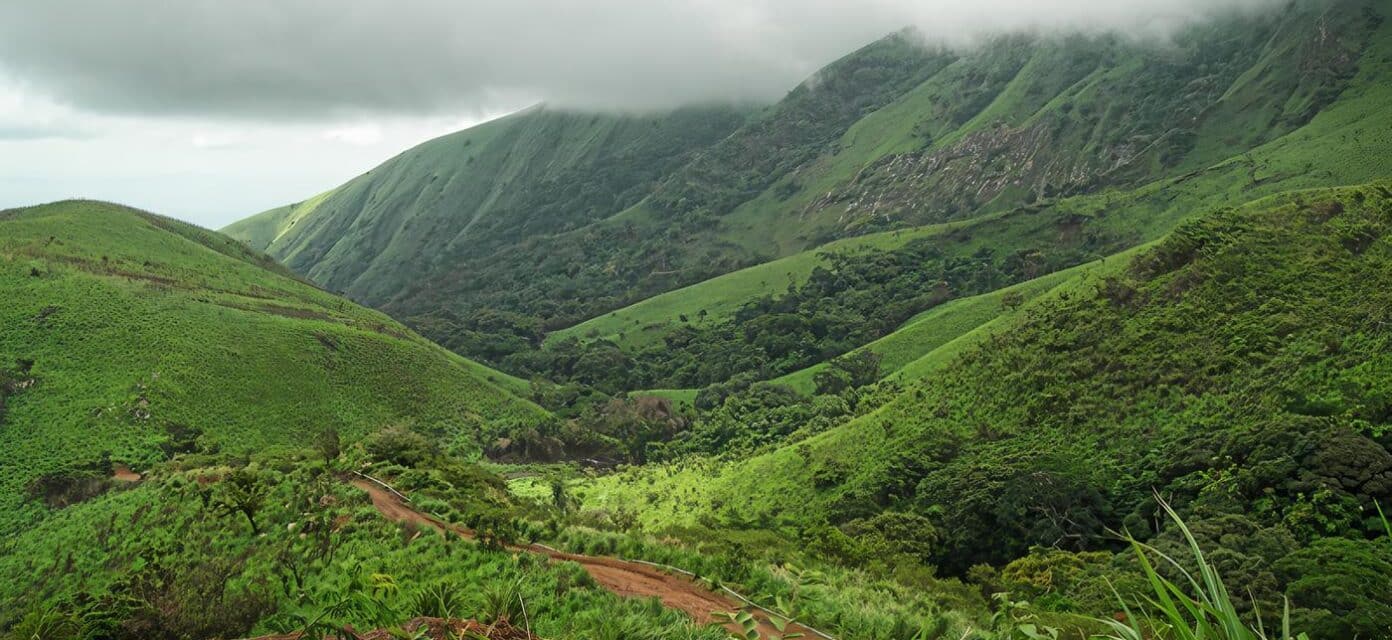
(935, 127)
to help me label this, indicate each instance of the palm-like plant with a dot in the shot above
(749, 626)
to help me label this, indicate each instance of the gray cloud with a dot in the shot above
(300, 59)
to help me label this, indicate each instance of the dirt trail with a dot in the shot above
(624, 578)
(124, 474)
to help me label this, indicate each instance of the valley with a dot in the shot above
(1053, 336)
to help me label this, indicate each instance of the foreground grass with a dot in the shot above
(1196, 608)
(157, 555)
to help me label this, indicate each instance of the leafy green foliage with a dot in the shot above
(1197, 607)
(856, 298)
(242, 493)
(1259, 414)
(151, 562)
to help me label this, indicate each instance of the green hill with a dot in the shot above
(911, 345)
(646, 322)
(859, 297)
(425, 212)
(1239, 368)
(937, 327)
(1059, 281)
(1091, 143)
(130, 337)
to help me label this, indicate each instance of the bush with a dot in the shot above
(1338, 587)
(399, 445)
(63, 488)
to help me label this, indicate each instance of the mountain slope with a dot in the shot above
(1038, 131)
(870, 295)
(1240, 369)
(130, 337)
(536, 172)
(721, 297)
(928, 331)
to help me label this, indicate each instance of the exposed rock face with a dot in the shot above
(942, 184)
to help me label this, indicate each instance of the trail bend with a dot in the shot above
(622, 577)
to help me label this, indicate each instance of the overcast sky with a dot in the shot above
(211, 110)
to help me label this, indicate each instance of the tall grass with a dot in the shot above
(1198, 608)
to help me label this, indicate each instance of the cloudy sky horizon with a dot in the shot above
(211, 111)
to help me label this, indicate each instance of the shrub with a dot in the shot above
(399, 445)
(63, 488)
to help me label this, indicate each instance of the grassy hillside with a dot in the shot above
(266, 228)
(719, 298)
(934, 328)
(1239, 368)
(921, 336)
(537, 172)
(936, 339)
(130, 337)
(1343, 143)
(1042, 141)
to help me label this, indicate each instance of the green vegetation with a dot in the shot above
(926, 332)
(1238, 368)
(1343, 138)
(1056, 337)
(1075, 148)
(130, 338)
(853, 300)
(721, 297)
(157, 561)
(466, 195)
(1199, 608)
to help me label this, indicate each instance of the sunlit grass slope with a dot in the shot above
(123, 328)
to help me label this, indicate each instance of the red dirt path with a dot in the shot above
(624, 578)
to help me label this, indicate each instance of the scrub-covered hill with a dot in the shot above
(130, 337)
(1240, 369)
(1052, 151)
(783, 316)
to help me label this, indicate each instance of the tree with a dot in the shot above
(399, 445)
(328, 444)
(892, 533)
(243, 492)
(560, 495)
(848, 372)
(831, 381)
(1012, 300)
